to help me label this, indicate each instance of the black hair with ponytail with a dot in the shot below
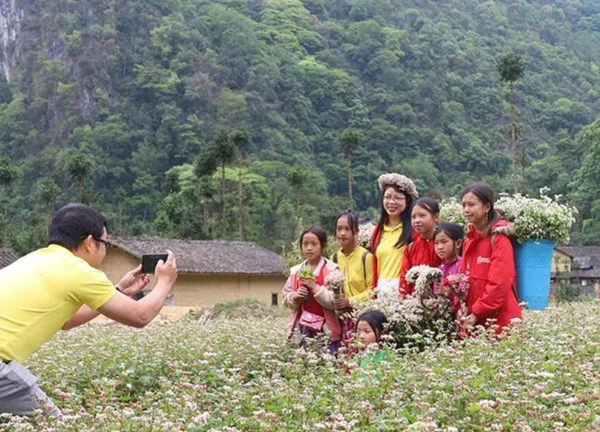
(485, 194)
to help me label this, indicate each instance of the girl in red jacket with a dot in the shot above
(488, 259)
(424, 219)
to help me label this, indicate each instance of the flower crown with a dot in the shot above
(402, 182)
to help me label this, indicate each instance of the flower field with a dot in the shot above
(233, 374)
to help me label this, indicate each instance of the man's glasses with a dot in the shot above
(106, 242)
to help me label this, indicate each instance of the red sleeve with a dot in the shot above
(405, 288)
(500, 278)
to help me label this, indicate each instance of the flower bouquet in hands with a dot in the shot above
(307, 274)
(457, 285)
(423, 276)
(334, 282)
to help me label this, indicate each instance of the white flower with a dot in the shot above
(402, 182)
(422, 276)
(365, 232)
(538, 218)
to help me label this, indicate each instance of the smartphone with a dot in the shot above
(149, 262)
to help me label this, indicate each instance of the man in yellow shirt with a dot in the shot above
(60, 287)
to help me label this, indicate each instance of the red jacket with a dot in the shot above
(492, 277)
(419, 252)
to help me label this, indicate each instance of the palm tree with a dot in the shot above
(511, 70)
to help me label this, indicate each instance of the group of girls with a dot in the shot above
(407, 234)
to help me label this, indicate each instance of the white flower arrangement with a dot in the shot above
(365, 232)
(402, 182)
(418, 320)
(414, 322)
(422, 276)
(538, 218)
(451, 211)
(334, 282)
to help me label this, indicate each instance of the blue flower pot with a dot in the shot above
(533, 260)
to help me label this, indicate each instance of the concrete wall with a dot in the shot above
(201, 290)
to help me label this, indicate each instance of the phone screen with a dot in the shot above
(149, 262)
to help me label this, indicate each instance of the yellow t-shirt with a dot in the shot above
(389, 258)
(42, 291)
(356, 286)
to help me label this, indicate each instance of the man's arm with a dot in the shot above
(122, 309)
(83, 315)
(131, 283)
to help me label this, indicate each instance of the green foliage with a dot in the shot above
(566, 292)
(586, 184)
(143, 89)
(511, 68)
(9, 171)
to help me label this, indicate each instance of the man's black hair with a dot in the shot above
(71, 225)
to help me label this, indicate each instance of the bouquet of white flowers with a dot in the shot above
(423, 276)
(419, 320)
(334, 282)
(538, 218)
(365, 232)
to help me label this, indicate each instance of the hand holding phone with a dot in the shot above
(149, 262)
(166, 271)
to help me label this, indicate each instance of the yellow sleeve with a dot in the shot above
(365, 295)
(369, 269)
(91, 287)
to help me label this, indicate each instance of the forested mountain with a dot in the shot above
(147, 108)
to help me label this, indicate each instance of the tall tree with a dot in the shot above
(349, 141)
(512, 69)
(79, 166)
(240, 140)
(206, 192)
(219, 153)
(297, 178)
(46, 193)
(9, 172)
(224, 153)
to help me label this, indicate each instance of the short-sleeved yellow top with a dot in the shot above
(42, 291)
(389, 258)
(359, 278)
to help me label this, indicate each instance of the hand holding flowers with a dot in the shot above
(334, 282)
(456, 285)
